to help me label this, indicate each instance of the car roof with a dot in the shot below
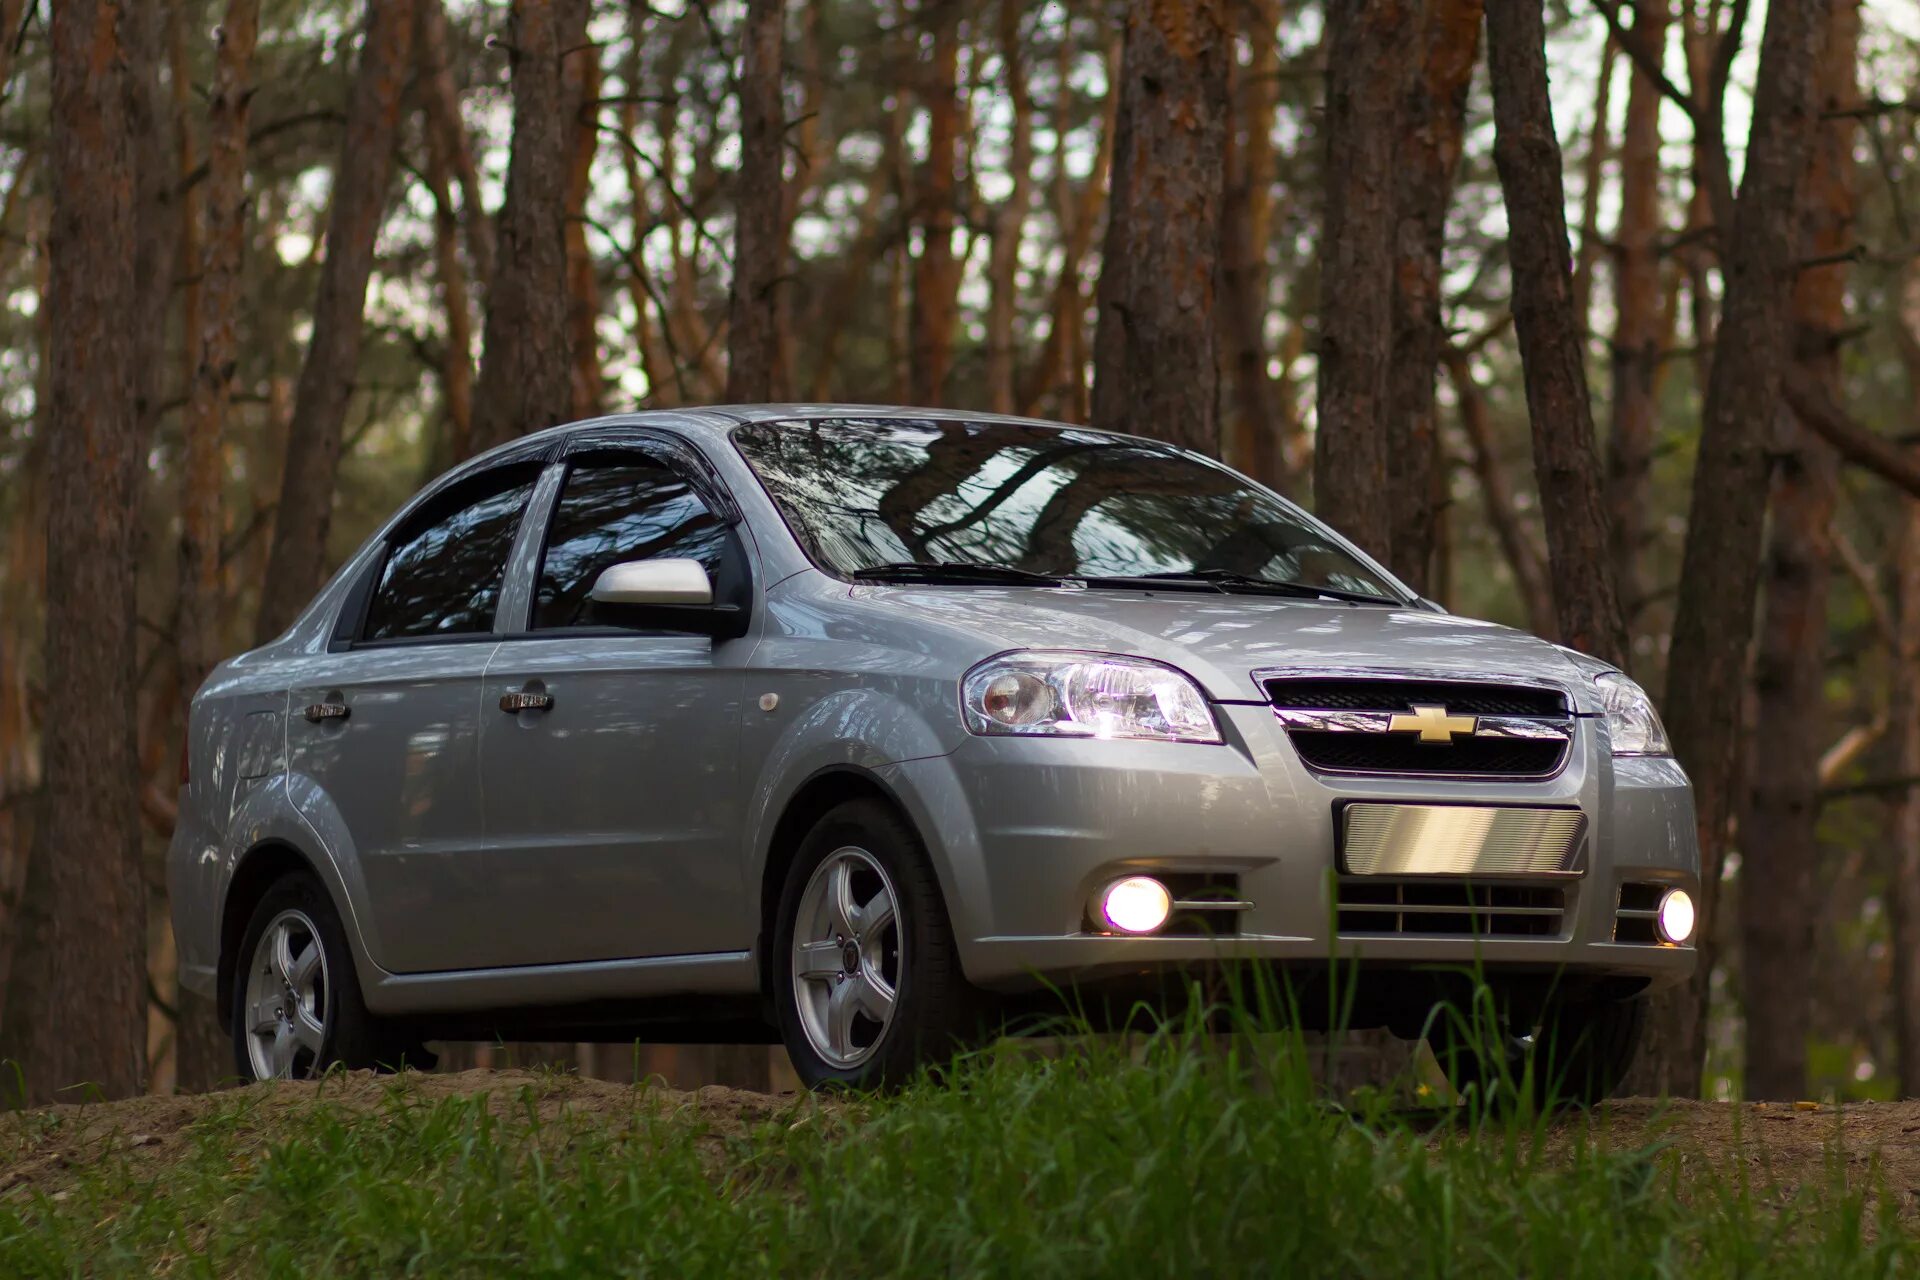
(713, 422)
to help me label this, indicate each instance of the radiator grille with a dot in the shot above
(1466, 697)
(1342, 725)
(1377, 753)
(1372, 908)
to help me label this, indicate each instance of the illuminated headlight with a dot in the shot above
(1676, 916)
(1632, 723)
(1085, 695)
(1137, 904)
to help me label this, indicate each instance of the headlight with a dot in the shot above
(1632, 722)
(1085, 695)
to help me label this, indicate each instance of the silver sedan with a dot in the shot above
(867, 730)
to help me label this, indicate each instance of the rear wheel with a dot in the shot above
(1577, 1054)
(296, 998)
(867, 981)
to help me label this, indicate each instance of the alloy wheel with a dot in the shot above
(848, 954)
(286, 1002)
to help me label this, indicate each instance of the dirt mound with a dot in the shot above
(40, 1149)
(1775, 1148)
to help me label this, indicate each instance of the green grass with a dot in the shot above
(1172, 1157)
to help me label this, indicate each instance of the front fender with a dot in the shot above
(863, 729)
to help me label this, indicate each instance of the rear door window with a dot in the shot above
(445, 566)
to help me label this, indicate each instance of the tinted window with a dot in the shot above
(444, 568)
(1067, 502)
(611, 511)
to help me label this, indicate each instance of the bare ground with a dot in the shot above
(1778, 1149)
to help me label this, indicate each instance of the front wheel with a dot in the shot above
(1578, 1054)
(867, 981)
(297, 1008)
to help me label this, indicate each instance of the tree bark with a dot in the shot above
(1057, 369)
(440, 98)
(1155, 370)
(1433, 127)
(582, 88)
(1503, 513)
(1527, 153)
(1720, 567)
(1254, 439)
(1009, 218)
(456, 360)
(1638, 326)
(760, 285)
(1779, 828)
(526, 380)
(198, 1059)
(1904, 717)
(76, 1011)
(936, 272)
(1372, 50)
(296, 563)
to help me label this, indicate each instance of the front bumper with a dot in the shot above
(1024, 831)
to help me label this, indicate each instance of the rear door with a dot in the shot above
(385, 726)
(613, 813)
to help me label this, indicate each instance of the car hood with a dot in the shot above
(1221, 640)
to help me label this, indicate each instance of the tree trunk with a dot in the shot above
(1057, 370)
(1253, 440)
(1904, 717)
(1432, 128)
(440, 97)
(936, 272)
(456, 360)
(1372, 50)
(1155, 371)
(1009, 219)
(1637, 327)
(1592, 177)
(1720, 568)
(1503, 513)
(198, 1045)
(526, 379)
(760, 286)
(1779, 827)
(1527, 153)
(77, 1008)
(296, 564)
(582, 81)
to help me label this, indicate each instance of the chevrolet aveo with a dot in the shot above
(859, 728)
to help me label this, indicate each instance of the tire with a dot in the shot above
(1578, 1055)
(326, 1022)
(934, 1012)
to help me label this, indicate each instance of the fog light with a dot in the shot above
(1676, 916)
(1137, 904)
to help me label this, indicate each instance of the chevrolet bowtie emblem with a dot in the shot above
(1433, 724)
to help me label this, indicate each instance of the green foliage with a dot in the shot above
(1179, 1154)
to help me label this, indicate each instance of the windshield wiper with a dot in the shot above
(1228, 580)
(937, 571)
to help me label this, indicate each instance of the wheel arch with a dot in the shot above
(822, 791)
(262, 866)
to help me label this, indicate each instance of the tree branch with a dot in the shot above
(1821, 414)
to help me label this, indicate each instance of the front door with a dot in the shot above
(612, 812)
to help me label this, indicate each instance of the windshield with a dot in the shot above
(862, 494)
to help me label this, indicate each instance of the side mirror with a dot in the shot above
(665, 595)
(678, 582)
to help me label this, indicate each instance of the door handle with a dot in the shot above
(522, 700)
(328, 711)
